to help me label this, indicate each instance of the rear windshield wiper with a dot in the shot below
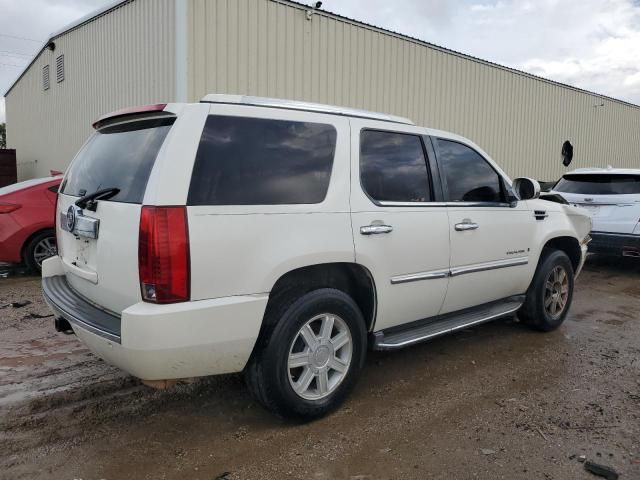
(90, 201)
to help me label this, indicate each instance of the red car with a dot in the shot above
(27, 232)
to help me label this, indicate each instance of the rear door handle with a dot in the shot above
(466, 225)
(376, 229)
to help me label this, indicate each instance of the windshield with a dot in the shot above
(599, 184)
(120, 156)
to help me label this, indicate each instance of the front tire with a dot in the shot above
(311, 359)
(40, 247)
(550, 294)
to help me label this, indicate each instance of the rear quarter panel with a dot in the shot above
(246, 254)
(244, 249)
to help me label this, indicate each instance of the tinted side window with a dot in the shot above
(393, 167)
(469, 177)
(256, 161)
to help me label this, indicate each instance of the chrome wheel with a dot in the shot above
(320, 356)
(44, 249)
(556, 292)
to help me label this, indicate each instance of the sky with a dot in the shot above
(590, 44)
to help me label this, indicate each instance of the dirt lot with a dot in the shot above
(496, 401)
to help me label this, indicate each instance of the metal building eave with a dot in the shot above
(118, 3)
(68, 28)
(296, 4)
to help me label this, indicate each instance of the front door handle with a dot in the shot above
(376, 229)
(466, 225)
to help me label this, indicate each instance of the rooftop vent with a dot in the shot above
(60, 68)
(45, 78)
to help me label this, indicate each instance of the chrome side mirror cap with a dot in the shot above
(526, 188)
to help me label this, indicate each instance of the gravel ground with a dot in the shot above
(496, 401)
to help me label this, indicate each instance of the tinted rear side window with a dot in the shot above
(121, 157)
(256, 161)
(469, 176)
(599, 184)
(393, 167)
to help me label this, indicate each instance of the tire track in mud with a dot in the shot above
(496, 386)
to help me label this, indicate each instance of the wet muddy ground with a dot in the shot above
(496, 401)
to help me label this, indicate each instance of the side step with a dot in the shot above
(422, 330)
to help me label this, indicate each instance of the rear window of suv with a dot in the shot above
(257, 161)
(599, 184)
(120, 156)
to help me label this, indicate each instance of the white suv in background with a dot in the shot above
(612, 197)
(283, 238)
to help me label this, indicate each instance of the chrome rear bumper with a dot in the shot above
(68, 304)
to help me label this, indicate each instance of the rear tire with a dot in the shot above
(550, 294)
(311, 358)
(42, 246)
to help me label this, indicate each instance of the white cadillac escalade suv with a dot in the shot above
(283, 239)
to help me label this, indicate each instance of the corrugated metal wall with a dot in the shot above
(123, 58)
(269, 48)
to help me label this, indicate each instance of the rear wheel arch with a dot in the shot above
(350, 278)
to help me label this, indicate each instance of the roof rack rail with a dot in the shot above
(304, 106)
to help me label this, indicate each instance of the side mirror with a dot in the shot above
(526, 188)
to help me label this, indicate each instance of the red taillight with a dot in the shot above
(8, 207)
(55, 223)
(55, 211)
(163, 254)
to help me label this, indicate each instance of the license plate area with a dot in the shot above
(75, 222)
(594, 210)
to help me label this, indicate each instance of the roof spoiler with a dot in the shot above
(127, 112)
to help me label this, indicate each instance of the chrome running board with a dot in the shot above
(423, 330)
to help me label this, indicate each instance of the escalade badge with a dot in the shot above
(71, 218)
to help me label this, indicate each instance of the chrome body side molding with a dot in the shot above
(415, 277)
(454, 272)
(481, 267)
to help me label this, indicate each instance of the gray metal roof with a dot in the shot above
(117, 3)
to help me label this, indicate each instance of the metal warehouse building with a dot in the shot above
(154, 51)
